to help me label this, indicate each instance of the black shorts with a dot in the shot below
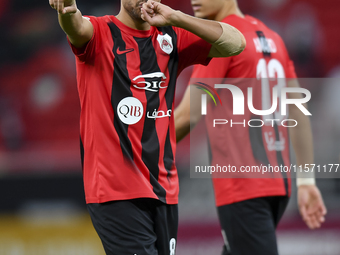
(139, 226)
(248, 227)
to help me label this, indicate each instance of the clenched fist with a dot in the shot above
(64, 6)
(157, 14)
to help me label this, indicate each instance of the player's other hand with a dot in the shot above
(157, 14)
(311, 206)
(64, 6)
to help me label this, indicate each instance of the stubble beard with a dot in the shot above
(134, 10)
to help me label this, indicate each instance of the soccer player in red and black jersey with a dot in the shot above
(127, 67)
(249, 209)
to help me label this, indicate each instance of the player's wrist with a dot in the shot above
(175, 18)
(305, 176)
(305, 181)
(69, 10)
(67, 14)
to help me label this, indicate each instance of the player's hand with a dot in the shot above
(64, 6)
(311, 206)
(157, 14)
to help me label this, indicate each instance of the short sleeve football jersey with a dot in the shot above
(265, 56)
(126, 83)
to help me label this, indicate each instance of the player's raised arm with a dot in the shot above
(225, 39)
(79, 30)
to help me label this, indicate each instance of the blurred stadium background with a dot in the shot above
(42, 207)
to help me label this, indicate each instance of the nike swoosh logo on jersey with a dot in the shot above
(120, 52)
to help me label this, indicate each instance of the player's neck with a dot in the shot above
(229, 9)
(126, 19)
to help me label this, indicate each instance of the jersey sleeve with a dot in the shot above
(290, 68)
(217, 68)
(88, 51)
(191, 49)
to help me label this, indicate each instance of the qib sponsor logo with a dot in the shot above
(130, 110)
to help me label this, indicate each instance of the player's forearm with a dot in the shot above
(187, 114)
(206, 29)
(182, 116)
(71, 23)
(302, 142)
(78, 29)
(182, 125)
(301, 137)
(225, 39)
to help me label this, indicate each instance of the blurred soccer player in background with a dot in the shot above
(127, 67)
(249, 209)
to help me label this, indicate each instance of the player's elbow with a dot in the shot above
(238, 43)
(231, 42)
(182, 126)
(195, 117)
(296, 113)
(182, 120)
(243, 43)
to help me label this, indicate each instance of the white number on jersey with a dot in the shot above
(266, 72)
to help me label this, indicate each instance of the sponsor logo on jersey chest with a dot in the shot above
(130, 110)
(154, 85)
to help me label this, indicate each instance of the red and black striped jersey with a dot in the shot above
(126, 83)
(265, 57)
